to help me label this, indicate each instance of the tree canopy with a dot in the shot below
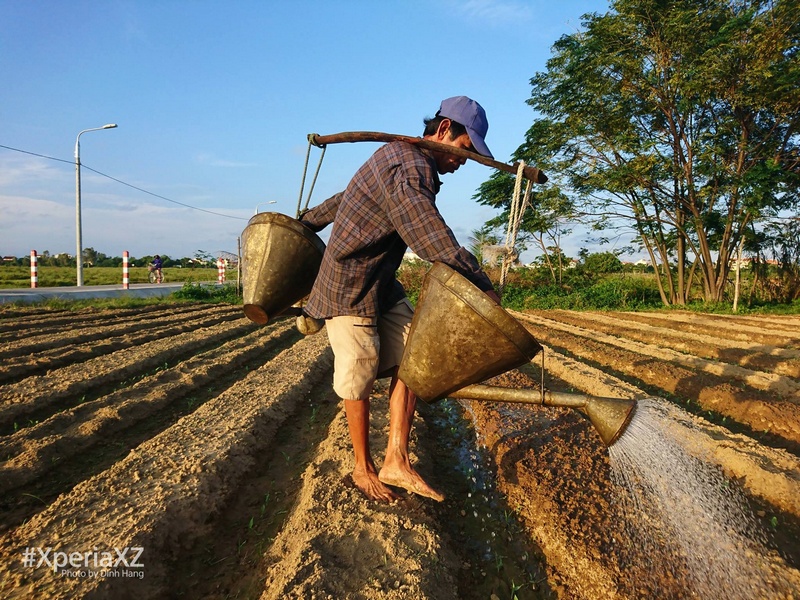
(677, 119)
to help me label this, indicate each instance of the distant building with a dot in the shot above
(746, 263)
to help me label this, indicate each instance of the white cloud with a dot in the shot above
(111, 225)
(21, 169)
(37, 212)
(494, 12)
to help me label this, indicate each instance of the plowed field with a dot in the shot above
(184, 452)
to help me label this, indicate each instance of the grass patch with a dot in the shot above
(533, 289)
(20, 277)
(190, 293)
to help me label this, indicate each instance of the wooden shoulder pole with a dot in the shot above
(532, 173)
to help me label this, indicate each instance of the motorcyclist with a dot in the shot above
(156, 266)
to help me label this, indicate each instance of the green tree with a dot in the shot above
(678, 119)
(204, 257)
(782, 240)
(480, 240)
(602, 262)
(91, 257)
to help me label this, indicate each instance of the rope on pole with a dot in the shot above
(300, 208)
(515, 214)
(303, 181)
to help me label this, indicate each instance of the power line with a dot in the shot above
(211, 212)
(39, 155)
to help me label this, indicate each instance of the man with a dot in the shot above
(388, 206)
(156, 266)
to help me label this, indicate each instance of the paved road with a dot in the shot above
(136, 290)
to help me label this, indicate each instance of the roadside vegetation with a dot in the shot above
(20, 277)
(55, 270)
(598, 282)
(602, 282)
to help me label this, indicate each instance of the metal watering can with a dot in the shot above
(460, 337)
(280, 261)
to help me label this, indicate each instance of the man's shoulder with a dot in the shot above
(402, 152)
(404, 159)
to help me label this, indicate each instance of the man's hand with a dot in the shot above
(308, 325)
(493, 295)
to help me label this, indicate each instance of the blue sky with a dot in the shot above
(214, 100)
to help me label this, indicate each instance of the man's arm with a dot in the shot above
(319, 217)
(422, 227)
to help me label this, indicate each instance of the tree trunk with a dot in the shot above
(738, 276)
(646, 241)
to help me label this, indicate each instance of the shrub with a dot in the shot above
(410, 275)
(209, 293)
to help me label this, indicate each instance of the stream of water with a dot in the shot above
(694, 520)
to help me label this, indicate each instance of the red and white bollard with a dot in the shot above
(220, 271)
(125, 277)
(34, 269)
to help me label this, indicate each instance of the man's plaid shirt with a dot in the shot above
(388, 206)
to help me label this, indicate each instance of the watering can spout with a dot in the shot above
(609, 416)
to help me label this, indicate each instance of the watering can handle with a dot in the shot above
(532, 173)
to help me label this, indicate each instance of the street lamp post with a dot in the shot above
(264, 203)
(79, 244)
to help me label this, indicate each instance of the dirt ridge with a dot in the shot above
(179, 458)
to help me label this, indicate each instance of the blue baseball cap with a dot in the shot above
(472, 116)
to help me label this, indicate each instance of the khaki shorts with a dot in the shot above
(366, 347)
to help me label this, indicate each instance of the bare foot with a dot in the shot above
(372, 488)
(410, 481)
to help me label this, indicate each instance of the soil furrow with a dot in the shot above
(71, 351)
(784, 387)
(161, 496)
(781, 361)
(33, 397)
(106, 449)
(227, 560)
(65, 320)
(717, 328)
(164, 324)
(35, 450)
(223, 453)
(782, 326)
(306, 561)
(554, 471)
(785, 322)
(9, 316)
(768, 473)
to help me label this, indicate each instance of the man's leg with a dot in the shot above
(356, 346)
(397, 469)
(365, 475)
